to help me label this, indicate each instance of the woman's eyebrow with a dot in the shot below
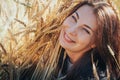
(77, 15)
(74, 17)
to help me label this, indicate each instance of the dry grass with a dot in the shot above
(31, 29)
(32, 35)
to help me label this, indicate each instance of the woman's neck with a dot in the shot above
(74, 56)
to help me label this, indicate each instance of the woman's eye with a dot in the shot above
(86, 30)
(74, 18)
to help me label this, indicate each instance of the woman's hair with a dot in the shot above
(107, 34)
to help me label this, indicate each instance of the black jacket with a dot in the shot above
(83, 69)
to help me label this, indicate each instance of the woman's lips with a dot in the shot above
(68, 39)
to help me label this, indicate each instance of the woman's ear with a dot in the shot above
(93, 46)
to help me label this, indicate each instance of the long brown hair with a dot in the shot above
(108, 34)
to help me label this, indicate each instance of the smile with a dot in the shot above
(67, 38)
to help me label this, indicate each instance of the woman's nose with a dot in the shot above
(72, 31)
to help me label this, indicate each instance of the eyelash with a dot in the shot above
(74, 18)
(86, 31)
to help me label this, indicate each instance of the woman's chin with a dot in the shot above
(66, 46)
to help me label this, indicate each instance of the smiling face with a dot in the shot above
(78, 31)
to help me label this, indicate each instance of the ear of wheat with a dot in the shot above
(31, 29)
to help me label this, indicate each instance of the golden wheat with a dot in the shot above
(31, 29)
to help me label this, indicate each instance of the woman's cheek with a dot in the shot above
(83, 38)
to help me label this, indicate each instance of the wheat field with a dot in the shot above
(29, 30)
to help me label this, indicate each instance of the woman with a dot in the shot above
(88, 34)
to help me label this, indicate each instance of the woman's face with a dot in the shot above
(78, 31)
